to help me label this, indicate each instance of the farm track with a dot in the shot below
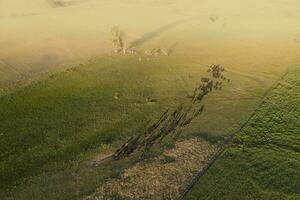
(228, 141)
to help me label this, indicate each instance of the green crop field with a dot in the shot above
(264, 160)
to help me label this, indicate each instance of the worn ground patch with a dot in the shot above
(160, 177)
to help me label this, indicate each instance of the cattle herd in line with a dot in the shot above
(172, 122)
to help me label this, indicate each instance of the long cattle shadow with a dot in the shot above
(148, 36)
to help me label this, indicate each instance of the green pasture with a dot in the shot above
(264, 160)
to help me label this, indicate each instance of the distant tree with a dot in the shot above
(117, 38)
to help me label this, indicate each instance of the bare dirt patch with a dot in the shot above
(161, 177)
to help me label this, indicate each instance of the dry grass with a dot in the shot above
(159, 177)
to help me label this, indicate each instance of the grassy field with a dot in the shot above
(78, 110)
(53, 126)
(264, 160)
(51, 129)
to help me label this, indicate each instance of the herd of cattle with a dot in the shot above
(172, 121)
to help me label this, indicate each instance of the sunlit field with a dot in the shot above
(263, 161)
(69, 100)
